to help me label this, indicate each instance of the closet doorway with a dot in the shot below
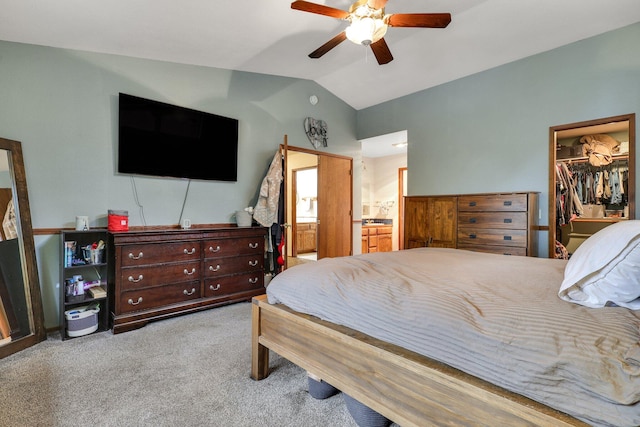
(600, 188)
(320, 218)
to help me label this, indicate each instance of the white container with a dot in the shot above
(244, 219)
(82, 320)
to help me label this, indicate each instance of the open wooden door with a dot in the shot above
(335, 199)
(334, 202)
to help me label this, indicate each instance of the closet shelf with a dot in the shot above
(624, 156)
(605, 219)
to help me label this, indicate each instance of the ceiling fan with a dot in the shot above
(369, 23)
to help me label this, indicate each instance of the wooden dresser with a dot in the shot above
(498, 223)
(502, 223)
(161, 273)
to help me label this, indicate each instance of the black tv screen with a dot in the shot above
(159, 139)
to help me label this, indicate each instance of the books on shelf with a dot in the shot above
(97, 292)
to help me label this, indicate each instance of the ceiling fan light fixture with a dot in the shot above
(366, 31)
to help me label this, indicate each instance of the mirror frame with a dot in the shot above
(32, 287)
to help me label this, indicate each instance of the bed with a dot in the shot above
(452, 337)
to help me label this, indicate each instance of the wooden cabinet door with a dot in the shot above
(365, 243)
(415, 230)
(442, 221)
(385, 243)
(430, 221)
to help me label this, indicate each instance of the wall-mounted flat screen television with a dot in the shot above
(159, 139)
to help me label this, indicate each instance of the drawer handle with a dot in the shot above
(507, 203)
(472, 203)
(191, 252)
(214, 288)
(253, 263)
(193, 270)
(507, 220)
(186, 292)
(253, 245)
(506, 237)
(132, 256)
(217, 249)
(131, 279)
(216, 268)
(472, 220)
(135, 303)
(253, 281)
(472, 236)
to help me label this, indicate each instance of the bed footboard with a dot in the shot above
(405, 387)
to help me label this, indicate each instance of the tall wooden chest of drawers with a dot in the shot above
(161, 273)
(498, 223)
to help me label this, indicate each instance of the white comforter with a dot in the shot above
(496, 317)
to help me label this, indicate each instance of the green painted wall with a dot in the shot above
(489, 132)
(62, 106)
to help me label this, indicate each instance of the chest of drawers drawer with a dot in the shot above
(503, 220)
(156, 275)
(493, 202)
(215, 248)
(144, 299)
(214, 267)
(491, 236)
(221, 286)
(144, 254)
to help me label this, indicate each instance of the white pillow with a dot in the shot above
(605, 268)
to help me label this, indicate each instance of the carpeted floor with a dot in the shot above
(186, 371)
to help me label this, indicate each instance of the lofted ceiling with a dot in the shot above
(267, 36)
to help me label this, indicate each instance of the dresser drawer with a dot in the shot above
(385, 230)
(214, 248)
(508, 220)
(496, 237)
(503, 250)
(142, 299)
(226, 285)
(493, 202)
(159, 253)
(156, 275)
(214, 267)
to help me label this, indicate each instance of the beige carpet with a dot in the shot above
(186, 371)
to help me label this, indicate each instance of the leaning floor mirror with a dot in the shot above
(21, 312)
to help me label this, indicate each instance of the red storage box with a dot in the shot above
(118, 220)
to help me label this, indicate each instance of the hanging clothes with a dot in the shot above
(570, 205)
(269, 211)
(266, 209)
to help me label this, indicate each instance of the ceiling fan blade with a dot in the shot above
(328, 45)
(320, 9)
(377, 4)
(427, 20)
(382, 52)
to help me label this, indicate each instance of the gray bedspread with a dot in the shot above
(496, 317)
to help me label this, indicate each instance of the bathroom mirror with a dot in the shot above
(21, 312)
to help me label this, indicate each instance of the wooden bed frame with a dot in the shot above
(405, 387)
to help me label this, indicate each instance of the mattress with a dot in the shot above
(495, 317)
